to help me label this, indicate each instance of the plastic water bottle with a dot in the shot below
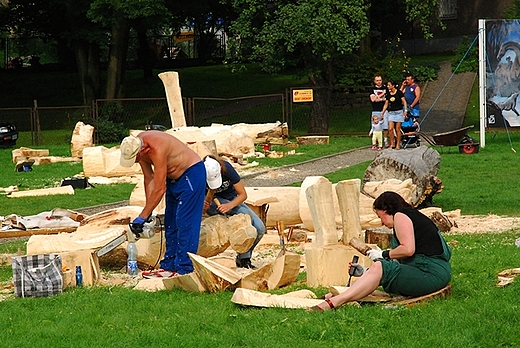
(131, 265)
(79, 276)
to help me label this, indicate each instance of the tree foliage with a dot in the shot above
(314, 34)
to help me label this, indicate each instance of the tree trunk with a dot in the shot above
(321, 81)
(88, 69)
(145, 53)
(420, 164)
(117, 58)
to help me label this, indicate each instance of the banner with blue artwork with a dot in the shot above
(502, 72)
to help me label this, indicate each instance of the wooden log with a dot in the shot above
(214, 276)
(418, 164)
(321, 206)
(62, 190)
(301, 300)
(283, 203)
(360, 246)
(25, 152)
(172, 87)
(88, 261)
(348, 197)
(313, 140)
(382, 238)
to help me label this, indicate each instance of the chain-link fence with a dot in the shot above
(113, 118)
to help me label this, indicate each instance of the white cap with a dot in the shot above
(130, 147)
(213, 175)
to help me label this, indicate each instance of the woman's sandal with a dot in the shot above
(319, 309)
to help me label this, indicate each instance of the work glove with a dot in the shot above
(356, 270)
(136, 226)
(375, 254)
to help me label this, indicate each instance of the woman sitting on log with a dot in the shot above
(229, 198)
(418, 263)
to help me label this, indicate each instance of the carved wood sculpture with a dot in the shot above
(217, 233)
(327, 260)
(81, 138)
(420, 164)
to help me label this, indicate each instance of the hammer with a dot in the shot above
(217, 202)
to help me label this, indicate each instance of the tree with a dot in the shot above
(206, 17)
(118, 16)
(315, 32)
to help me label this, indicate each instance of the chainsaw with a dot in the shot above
(131, 234)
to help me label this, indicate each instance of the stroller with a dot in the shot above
(410, 133)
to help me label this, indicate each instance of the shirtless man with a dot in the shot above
(170, 167)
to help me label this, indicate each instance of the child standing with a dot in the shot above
(377, 133)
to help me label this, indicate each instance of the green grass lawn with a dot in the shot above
(477, 314)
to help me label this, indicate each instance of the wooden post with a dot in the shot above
(348, 197)
(172, 87)
(319, 198)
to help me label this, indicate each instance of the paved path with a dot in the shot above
(449, 101)
(290, 174)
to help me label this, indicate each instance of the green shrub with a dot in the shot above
(466, 56)
(110, 131)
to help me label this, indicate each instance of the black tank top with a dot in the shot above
(427, 239)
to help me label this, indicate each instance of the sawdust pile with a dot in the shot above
(483, 224)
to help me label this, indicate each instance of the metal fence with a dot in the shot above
(137, 113)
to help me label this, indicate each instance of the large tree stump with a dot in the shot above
(420, 164)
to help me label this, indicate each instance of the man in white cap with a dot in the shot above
(170, 167)
(231, 194)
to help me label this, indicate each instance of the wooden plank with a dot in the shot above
(33, 232)
(62, 190)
